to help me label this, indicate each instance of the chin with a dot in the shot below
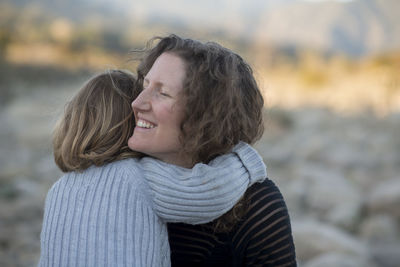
(131, 144)
(138, 147)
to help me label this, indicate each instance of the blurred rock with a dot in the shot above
(46, 169)
(313, 238)
(327, 195)
(379, 227)
(338, 260)
(386, 198)
(8, 190)
(385, 254)
(338, 175)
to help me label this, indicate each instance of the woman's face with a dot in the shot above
(159, 111)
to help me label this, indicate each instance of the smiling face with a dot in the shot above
(159, 111)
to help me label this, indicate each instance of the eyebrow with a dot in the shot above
(158, 83)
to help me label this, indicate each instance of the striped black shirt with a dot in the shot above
(262, 238)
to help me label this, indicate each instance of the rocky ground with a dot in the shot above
(340, 177)
(338, 173)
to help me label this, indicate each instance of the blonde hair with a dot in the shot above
(97, 123)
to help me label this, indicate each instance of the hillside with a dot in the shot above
(356, 28)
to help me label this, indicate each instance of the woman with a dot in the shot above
(199, 100)
(110, 208)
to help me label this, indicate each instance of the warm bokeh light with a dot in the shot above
(297, 67)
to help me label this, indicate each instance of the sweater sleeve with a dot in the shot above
(206, 191)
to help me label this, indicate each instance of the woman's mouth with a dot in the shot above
(145, 124)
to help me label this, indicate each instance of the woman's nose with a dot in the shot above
(142, 101)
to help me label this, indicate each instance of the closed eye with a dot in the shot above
(164, 94)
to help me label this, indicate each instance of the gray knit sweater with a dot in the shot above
(116, 215)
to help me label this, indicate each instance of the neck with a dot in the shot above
(182, 161)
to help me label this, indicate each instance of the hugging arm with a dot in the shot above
(206, 191)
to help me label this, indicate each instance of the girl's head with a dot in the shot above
(218, 99)
(97, 123)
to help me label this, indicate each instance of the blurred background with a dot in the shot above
(329, 71)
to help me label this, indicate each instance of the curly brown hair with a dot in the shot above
(223, 102)
(97, 123)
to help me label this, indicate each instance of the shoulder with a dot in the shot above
(123, 173)
(265, 232)
(265, 204)
(127, 171)
(264, 192)
(124, 166)
(265, 207)
(117, 186)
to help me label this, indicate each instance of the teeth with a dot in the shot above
(144, 124)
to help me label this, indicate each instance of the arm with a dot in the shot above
(206, 191)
